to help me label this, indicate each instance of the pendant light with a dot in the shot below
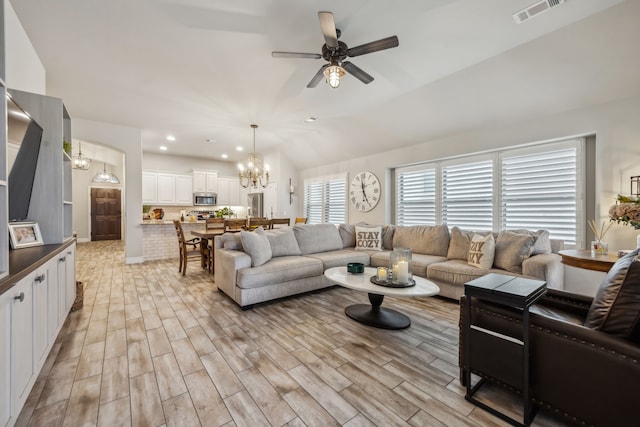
(105, 177)
(79, 161)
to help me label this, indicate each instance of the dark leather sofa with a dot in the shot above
(589, 376)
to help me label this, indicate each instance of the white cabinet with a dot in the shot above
(6, 300)
(41, 303)
(184, 189)
(229, 191)
(21, 342)
(165, 188)
(149, 187)
(70, 277)
(205, 182)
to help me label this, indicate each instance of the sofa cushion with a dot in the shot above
(379, 258)
(511, 249)
(347, 234)
(616, 306)
(279, 270)
(283, 242)
(457, 272)
(256, 245)
(313, 238)
(368, 238)
(340, 258)
(481, 251)
(421, 262)
(423, 239)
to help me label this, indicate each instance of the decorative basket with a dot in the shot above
(79, 301)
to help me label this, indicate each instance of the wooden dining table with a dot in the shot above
(205, 236)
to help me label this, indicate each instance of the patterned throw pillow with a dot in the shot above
(481, 251)
(368, 238)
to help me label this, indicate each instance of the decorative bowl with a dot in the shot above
(355, 267)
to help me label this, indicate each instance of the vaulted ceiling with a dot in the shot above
(202, 69)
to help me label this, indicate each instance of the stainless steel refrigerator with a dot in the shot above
(255, 204)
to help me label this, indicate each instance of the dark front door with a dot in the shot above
(105, 214)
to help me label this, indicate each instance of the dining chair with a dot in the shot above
(234, 225)
(185, 252)
(254, 223)
(214, 224)
(300, 220)
(280, 221)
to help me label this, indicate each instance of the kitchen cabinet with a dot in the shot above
(229, 191)
(164, 188)
(149, 187)
(21, 343)
(205, 182)
(70, 278)
(40, 291)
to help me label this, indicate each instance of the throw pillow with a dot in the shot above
(481, 251)
(283, 242)
(348, 235)
(616, 306)
(256, 245)
(423, 239)
(543, 242)
(232, 241)
(368, 238)
(459, 244)
(511, 249)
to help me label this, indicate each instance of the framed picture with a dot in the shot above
(25, 234)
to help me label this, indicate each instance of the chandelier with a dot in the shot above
(255, 174)
(80, 162)
(105, 177)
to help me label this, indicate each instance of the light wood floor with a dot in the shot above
(151, 348)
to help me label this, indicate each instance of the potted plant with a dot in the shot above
(145, 211)
(223, 213)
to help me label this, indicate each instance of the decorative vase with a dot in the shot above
(599, 248)
(400, 266)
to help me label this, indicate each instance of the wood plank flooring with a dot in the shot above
(154, 348)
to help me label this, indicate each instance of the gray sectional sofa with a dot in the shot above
(258, 266)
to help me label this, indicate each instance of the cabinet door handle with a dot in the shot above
(19, 297)
(63, 259)
(40, 278)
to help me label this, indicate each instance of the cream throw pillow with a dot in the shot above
(368, 238)
(256, 244)
(481, 251)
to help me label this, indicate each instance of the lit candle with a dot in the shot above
(394, 271)
(382, 274)
(403, 272)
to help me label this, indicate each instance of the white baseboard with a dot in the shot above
(83, 239)
(134, 260)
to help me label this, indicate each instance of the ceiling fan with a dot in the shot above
(335, 52)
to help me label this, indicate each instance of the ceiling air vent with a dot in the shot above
(535, 10)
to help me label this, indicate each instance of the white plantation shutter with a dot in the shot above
(313, 202)
(416, 191)
(539, 191)
(467, 195)
(325, 200)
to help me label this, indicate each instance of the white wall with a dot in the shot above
(615, 124)
(129, 141)
(24, 70)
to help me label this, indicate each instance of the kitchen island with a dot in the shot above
(159, 239)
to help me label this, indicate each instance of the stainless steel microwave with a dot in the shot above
(204, 199)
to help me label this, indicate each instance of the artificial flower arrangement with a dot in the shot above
(626, 210)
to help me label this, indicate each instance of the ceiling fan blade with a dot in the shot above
(357, 72)
(328, 26)
(375, 46)
(316, 79)
(295, 55)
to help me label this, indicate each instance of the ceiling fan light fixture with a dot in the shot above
(333, 73)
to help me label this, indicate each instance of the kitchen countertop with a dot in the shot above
(168, 222)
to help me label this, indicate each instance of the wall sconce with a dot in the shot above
(635, 186)
(290, 192)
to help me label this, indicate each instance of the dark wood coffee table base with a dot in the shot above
(376, 316)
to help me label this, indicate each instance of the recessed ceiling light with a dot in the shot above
(239, 148)
(224, 156)
(310, 119)
(171, 138)
(163, 147)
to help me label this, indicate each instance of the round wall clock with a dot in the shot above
(364, 192)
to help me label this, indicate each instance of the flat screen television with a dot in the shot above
(24, 136)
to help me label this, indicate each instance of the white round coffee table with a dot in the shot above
(374, 314)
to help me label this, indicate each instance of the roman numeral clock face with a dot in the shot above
(364, 191)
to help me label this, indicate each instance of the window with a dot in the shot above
(325, 200)
(537, 187)
(416, 191)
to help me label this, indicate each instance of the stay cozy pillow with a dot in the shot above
(256, 245)
(481, 251)
(369, 238)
